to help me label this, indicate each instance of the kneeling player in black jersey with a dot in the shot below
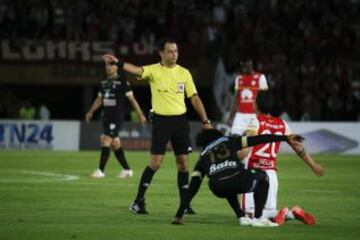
(227, 175)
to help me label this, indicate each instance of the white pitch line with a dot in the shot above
(61, 177)
(53, 176)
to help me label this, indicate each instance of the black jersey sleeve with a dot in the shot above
(243, 142)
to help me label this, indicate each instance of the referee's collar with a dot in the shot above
(166, 66)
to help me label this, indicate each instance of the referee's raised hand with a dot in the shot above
(108, 58)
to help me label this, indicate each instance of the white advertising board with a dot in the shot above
(328, 137)
(47, 135)
(322, 137)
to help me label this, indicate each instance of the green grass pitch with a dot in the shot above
(40, 198)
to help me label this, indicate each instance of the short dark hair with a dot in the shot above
(245, 59)
(265, 102)
(162, 42)
(206, 136)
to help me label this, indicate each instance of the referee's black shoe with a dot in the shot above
(190, 211)
(138, 207)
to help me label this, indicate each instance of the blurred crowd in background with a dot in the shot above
(308, 49)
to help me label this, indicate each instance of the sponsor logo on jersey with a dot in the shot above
(109, 102)
(215, 168)
(247, 95)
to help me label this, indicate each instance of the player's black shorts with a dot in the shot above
(242, 181)
(173, 128)
(111, 129)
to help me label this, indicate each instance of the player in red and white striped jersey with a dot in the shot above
(264, 157)
(247, 85)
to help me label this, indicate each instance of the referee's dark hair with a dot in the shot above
(162, 42)
(265, 102)
(206, 136)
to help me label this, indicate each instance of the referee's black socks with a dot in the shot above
(120, 156)
(183, 183)
(144, 182)
(104, 156)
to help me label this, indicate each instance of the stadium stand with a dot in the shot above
(307, 49)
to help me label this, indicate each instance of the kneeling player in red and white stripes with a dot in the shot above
(264, 157)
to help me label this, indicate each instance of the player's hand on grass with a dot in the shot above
(295, 138)
(176, 221)
(318, 169)
(88, 116)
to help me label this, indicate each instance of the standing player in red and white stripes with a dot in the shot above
(247, 84)
(264, 157)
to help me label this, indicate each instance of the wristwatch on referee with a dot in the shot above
(207, 121)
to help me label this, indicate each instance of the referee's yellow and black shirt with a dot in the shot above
(169, 86)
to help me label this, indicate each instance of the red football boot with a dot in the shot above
(303, 216)
(281, 216)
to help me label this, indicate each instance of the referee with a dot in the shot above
(170, 84)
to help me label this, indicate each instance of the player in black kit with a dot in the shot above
(111, 96)
(227, 175)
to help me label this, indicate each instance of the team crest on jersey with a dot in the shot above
(181, 87)
(107, 93)
(112, 126)
(253, 82)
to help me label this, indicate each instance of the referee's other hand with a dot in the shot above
(143, 120)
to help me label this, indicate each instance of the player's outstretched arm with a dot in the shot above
(127, 67)
(299, 148)
(95, 106)
(268, 138)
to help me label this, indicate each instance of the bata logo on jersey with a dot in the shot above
(214, 168)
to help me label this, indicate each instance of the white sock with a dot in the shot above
(290, 216)
(270, 213)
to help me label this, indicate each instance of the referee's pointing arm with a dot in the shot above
(128, 67)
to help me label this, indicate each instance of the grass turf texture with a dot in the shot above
(34, 205)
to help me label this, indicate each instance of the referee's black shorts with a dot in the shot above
(173, 128)
(242, 181)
